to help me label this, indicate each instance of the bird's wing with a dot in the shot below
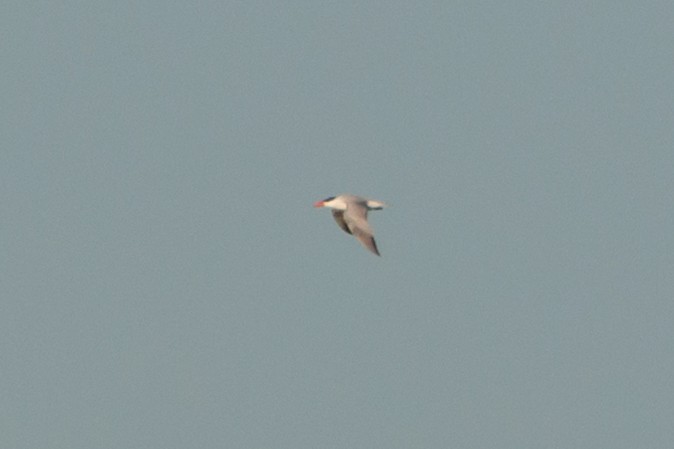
(355, 218)
(339, 218)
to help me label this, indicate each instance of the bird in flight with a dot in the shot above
(350, 213)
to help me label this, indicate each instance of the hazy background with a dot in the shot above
(165, 282)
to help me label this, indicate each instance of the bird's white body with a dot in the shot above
(350, 213)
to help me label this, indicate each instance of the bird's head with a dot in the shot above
(333, 202)
(324, 203)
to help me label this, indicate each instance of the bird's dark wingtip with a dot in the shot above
(374, 248)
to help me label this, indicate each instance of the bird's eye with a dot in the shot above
(328, 199)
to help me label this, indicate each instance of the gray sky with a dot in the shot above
(166, 283)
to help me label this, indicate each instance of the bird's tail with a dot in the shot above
(375, 205)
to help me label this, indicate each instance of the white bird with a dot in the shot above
(350, 212)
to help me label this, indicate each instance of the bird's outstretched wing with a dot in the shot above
(339, 218)
(355, 219)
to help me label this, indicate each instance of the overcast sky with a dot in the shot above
(165, 282)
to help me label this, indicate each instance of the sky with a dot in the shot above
(166, 283)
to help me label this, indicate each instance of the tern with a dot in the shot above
(350, 212)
